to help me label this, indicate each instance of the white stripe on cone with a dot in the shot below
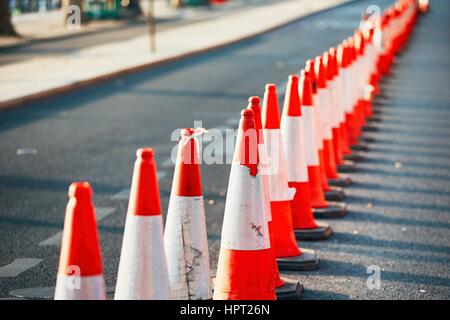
(294, 146)
(263, 167)
(309, 135)
(75, 287)
(318, 106)
(278, 180)
(186, 244)
(244, 227)
(143, 268)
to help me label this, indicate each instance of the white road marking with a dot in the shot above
(124, 194)
(18, 266)
(26, 151)
(55, 240)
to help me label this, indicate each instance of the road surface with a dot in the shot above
(399, 204)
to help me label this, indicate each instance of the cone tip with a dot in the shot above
(81, 189)
(271, 87)
(145, 153)
(254, 100)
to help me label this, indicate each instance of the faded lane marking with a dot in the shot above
(18, 266)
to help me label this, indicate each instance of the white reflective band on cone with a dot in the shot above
(319, 115)
(341, 98)
(186, 246)
(262, 167)
(294, 146)
(309, 135)
(278, 180)
(327, 122)
(244, 224)
(334, 103)
(142, 271)
(80, 287)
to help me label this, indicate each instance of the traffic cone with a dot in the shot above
(331, 122)
(318, 202)
(279, 239)
(294, 162)
(347, 87)
(339, 124)
(185, 237)
(80, 275)
(320, 115)
(245, 266)
(142, 271)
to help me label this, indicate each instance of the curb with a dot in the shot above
(21, 101)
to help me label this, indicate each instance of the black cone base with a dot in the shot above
(369, 128)
(305, 262)
(347, 167)
(322, 232)
(341, 181)
(361, 146)
(333, 211)
(354, 156)
(292, 290)
(367, 139)
(335, 194)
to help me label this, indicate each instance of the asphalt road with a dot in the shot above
(399, 204)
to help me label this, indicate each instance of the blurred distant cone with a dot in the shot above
(245, 266)
(317, 73)
(80, 275)
(185, 236)
(285, 290)
(142, 271)
(318, 202)
(331, 122)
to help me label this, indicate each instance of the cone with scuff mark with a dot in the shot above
(185, 236)
(281, 239)
(80, 273)
(142, 271)
(245, 266)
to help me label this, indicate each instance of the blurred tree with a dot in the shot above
(6, 27)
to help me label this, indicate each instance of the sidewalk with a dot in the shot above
(42, 76)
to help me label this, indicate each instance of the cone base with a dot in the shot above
(367, 139)
(360, 146)
(292, 290)
(347, 167)
(305, 262)
(335, 194)
(354, 156)
(322, 232)
(369, 128)
(333, 211)
(341, 181)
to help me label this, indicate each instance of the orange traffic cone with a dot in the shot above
(245, 266)
(318, 202)
(185, 237)
(142, 271)
(346, 95)
(285, 289)
(292, 142)
(80, 275)
(320, 108)
(331, 123)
